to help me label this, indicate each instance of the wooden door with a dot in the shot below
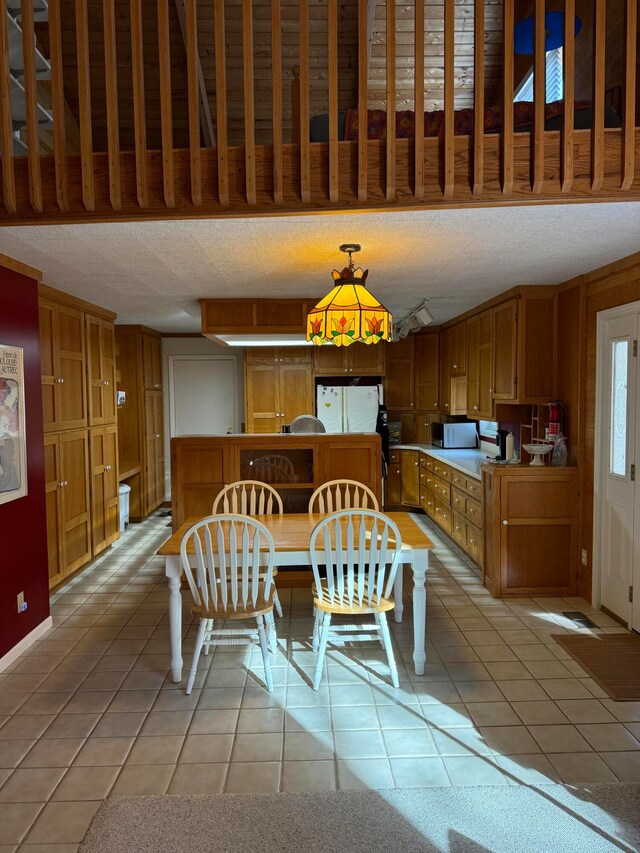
(53, 498)
(76, 507)
(399, 377)
(95, 368)
(296, 392)
(262, 398)
(458, 339)
(329, 360)
(410, 476)
(71, 366)
(445, 371)
(158, 460)
(505, 351)
(366, 360)
(152, 362)
(108, 372)
(426, 373)
(49, 377)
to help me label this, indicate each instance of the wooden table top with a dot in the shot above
(291, 532)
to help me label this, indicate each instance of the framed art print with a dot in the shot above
(13, 441)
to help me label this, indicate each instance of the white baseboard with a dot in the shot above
(25, 642)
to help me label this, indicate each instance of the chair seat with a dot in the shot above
(325, 603)
(241, 612)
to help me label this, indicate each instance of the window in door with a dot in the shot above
(619, 393)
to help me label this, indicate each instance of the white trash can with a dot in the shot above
(123, 495)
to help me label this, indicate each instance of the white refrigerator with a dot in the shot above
(348, 408)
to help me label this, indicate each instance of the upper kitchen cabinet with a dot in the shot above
(525, 347)
(279, 355)
(399, 380)
(480, 366)
(276, 394)
(101, 371)
(458, 349)
(445, 371)
(357, 360)
(427, 378)
(152, 361)
(62, 354)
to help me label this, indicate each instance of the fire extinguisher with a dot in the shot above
(554, 424)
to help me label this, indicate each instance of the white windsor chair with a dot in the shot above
(360, 549)
(233, 579)
(342, 494)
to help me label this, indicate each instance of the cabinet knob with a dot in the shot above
(472, 541)
(398, 471)
(61, 380)
(436, 404)
(505, 522)
(157, 435)
(66, 482)
(106, 382)
(61, 484)
(455, 366)
(416, 463)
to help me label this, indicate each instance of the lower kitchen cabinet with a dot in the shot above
(103, 450)
(66, 457)
(531, 521)
(154, 450)
(276, 394)
(409, 477)
(392, 485)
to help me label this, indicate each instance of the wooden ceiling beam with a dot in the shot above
(206, 122)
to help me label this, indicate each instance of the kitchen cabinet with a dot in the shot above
(154, 455)
(505, 351)
(140, 419)
(357, 359)
(458, 349)
(480, 366)
(151, 361)
(281, 355)
(103, 466)
(445, 371)
(66, 461)
(427, 377)
(276, 394)
(399, 379)
(63, 366)
(530, 526)
(392, 485)
(423, 421)
(410, 477)
(101, 371)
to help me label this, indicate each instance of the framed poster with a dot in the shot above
(13, 442)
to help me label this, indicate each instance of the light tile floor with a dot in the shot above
(90, 712)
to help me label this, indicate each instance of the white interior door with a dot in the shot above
(203, 395)
(619, 450)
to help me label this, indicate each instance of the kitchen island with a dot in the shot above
(294, 464)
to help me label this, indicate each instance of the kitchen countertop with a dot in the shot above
(467, 461)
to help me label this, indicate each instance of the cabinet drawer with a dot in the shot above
(458, 480)
(474, 543)
(459, 529)
(443, 514)
(458, 501)
(442, 471)
(474, 511)
(442, 490)
(474, 487)
(428, 463)
(424, 463)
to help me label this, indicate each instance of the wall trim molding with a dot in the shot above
(21, 647)
(19, 267)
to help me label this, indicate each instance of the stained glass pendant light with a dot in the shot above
(349, 312)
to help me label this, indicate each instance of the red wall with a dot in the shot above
(23, 528)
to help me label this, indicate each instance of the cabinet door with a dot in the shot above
(53, 498)
(152, 362)
(393, 485)
(410, 475)
(49, 377)
(505, 350)
(296, 392)
(154, 472)
(108, 372)
(262, 398)
(72, 408)
(459, 349)
(423, 421)
(445, 371)
(427, 373)
(294, 355)
(158, 459)
(261, 355)
(366, 360)
(399, 378)
(329, 360)
(76, 507)
(473, 366)
(98, 469)
(407, 425)
(95, 375)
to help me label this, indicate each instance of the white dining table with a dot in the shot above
(291, 532)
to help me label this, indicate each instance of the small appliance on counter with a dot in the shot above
(505, 445)
(454, 435)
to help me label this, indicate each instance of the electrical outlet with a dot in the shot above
(585, 558)
(22, 604)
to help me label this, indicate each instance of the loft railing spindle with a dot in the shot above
(84, 105)
(111, 86)
(6, 119)
(193, 99)
(418, 98)
(221, 104)
(391, 98)
(166, 109)
(31, 103)
(569, 86)
(449, 98)
(630, 84)
(58, 105)
(363, 73)
(507, 99)
(539, 96)
(597, 131)
(276, 108)
(334, 150)
(305, 153)
(478, 97)
(249, 101)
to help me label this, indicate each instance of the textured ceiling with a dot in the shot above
(154, 272)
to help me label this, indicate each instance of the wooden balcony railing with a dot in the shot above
(142, 109)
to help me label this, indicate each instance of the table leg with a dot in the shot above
(420, 565)
(173, 571)
(397, 595)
